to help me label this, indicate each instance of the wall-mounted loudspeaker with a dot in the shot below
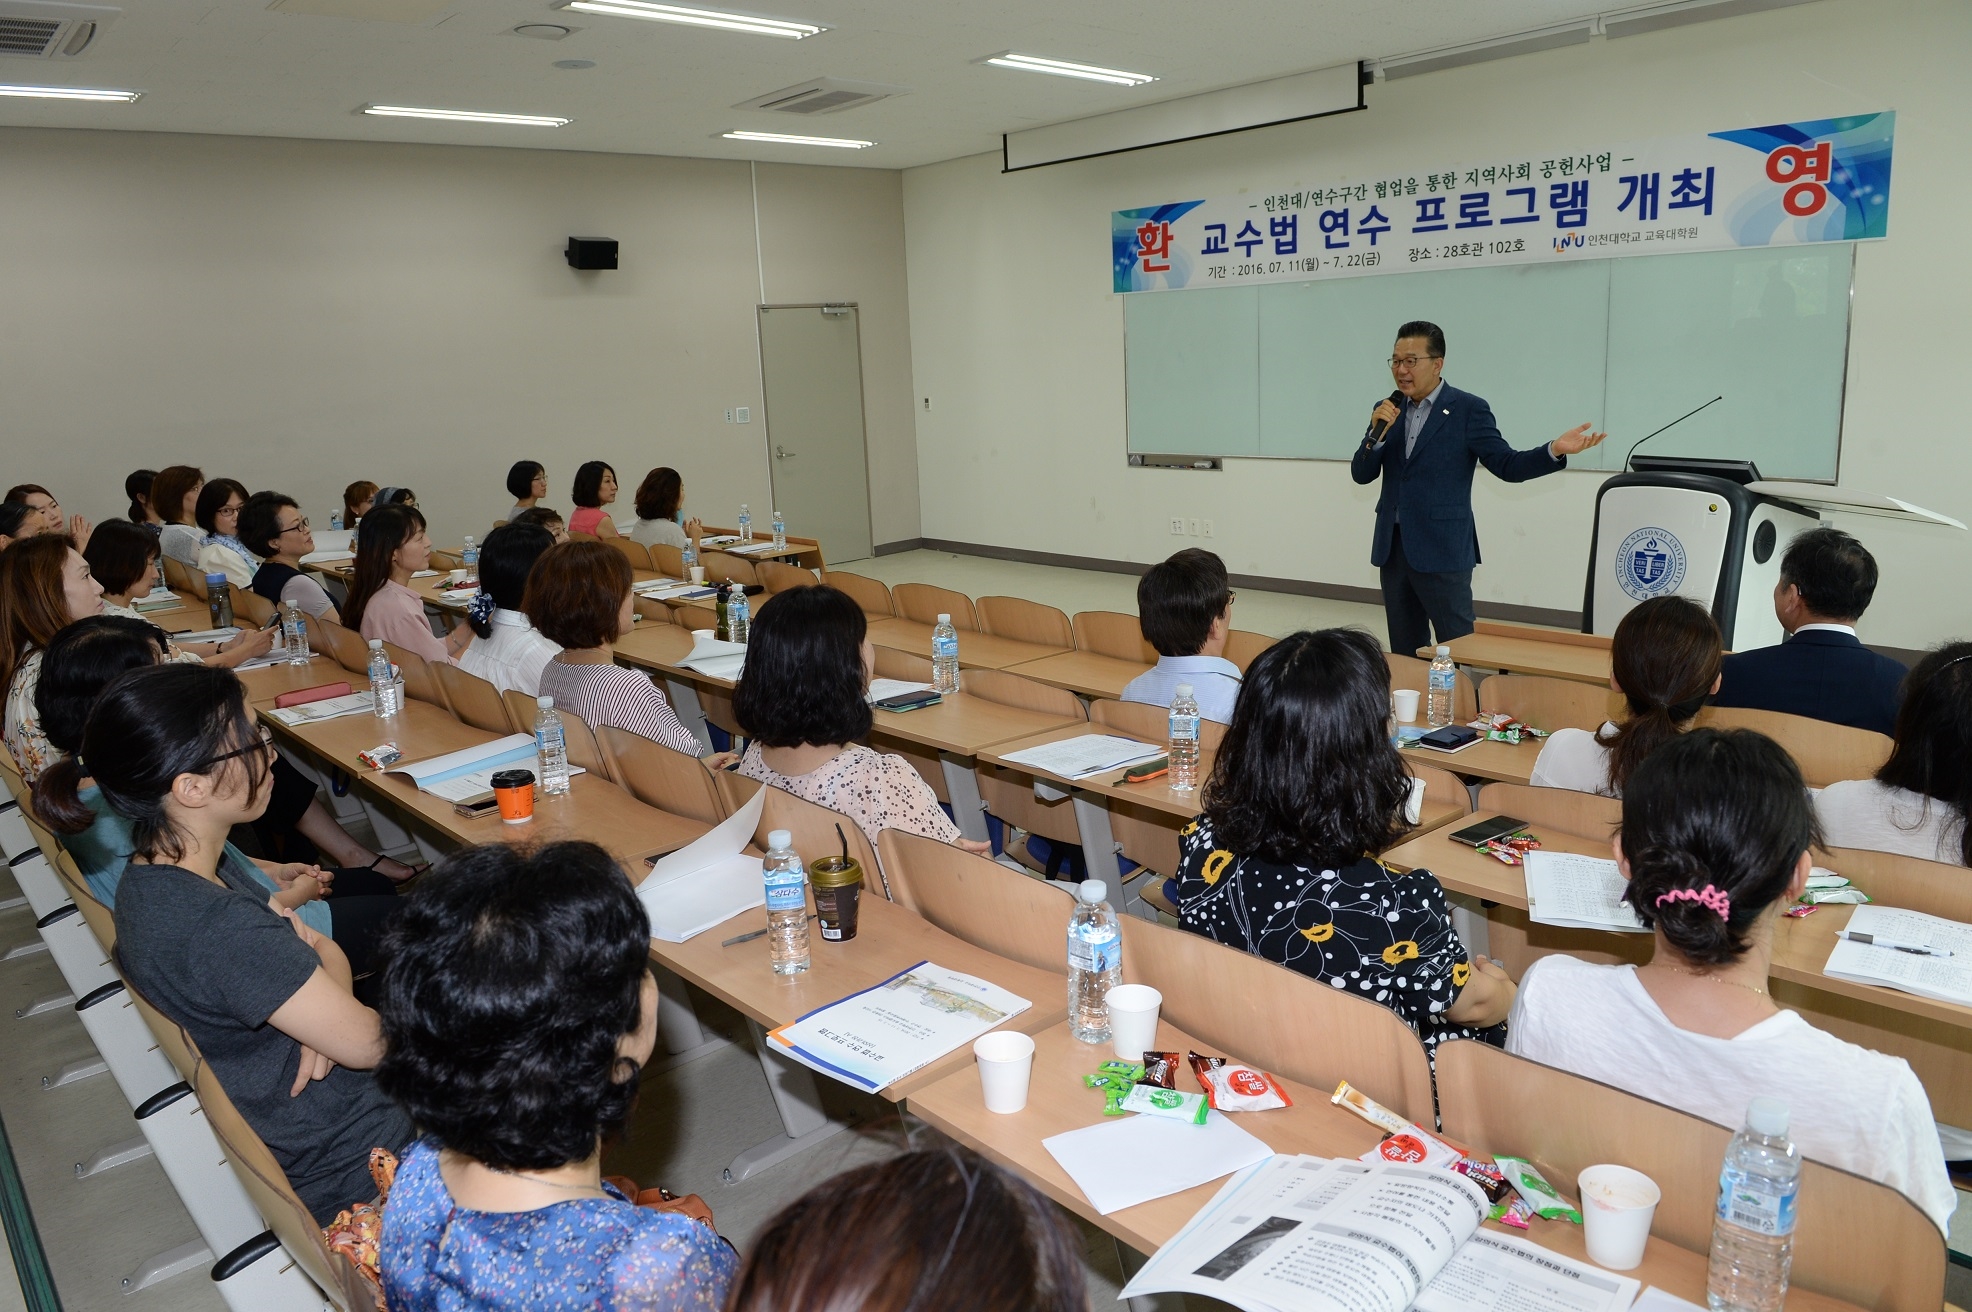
(591, 253)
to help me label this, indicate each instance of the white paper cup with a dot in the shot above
(1006, 1062)
(1133, 1019)
(1404, 702)
(1617, 1207)
(456, 577)
(698, 573)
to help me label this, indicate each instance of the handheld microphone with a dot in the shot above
(1673, 424)
(1381, 428)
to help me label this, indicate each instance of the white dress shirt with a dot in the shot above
(513, 657)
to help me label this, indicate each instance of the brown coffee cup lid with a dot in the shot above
(834, 872)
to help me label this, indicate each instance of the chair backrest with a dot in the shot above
(1028, 694)
(1279, 1019)
(1827, 753)
(1410, 672)
(346, 646)
(100, 919)
(779, 576)
(813, 828)
(1441, 785)
(979, 900)
(447, 560)
(1242, 646)
(873, 595)
(1113, 633)
(475, 701)
(576, 535)
(1151, 723)
(180, 577)
(1855, 1240)
(724, 567)
(1548, 703)
(577, 736)
(925, 602)
(661, 776)
(250, 606)
(695, 617)
(420, 683)
(1933, 887)
(171, 1040)
(632, 550)
(894, 663)
(667, 559)
(1025, 621)
(1585, 815)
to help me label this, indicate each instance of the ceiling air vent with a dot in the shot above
(823, 95)
(38, 29)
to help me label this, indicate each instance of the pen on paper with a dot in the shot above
(748, 938)
(1878, 941)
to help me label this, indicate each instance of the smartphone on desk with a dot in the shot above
(1486, 831)
(1451, 738)
(907, 701)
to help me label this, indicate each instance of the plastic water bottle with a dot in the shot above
(551, 746)
(218, 601)
(722, 612)
(787, 905)
(1444, 678)
(690, 555)
(945, 656)
(1753, 1233)
(739, 616)
(335, 521)
(780, 531)
(469, 557)
(386, 698)
(1184, 740)
(1095, 962)
(746, 523)
(294, 634)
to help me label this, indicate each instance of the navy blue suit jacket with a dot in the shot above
(1821, 674)
(1433, 487)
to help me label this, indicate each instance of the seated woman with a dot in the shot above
(1716, 838)
(938, 1228)
(518, 1009)
(397, 496)
(273, 528)
(357, 500)
(1665, 660)
(17, 524)
(506, 651)
(527, 483)
(85, 658)
(174, 498)
(578, 597)
(391, 547)
(803, 700)
(45, 584)
(1305, 790)
(176, 751)
(123, 558)
(660, 498)
(594, 488)
(1918, 802)
(137, 487)
(544, 517)
(220, 550)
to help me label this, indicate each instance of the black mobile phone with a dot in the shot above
(907, 701)
(1486, 831)
(1450, 738)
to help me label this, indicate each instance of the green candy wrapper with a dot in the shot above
(1153, 1100)
(1539, 1194)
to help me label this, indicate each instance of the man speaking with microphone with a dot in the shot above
(1424, 441)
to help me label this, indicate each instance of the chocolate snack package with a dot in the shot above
(1232, 1086)
(1160, 1069)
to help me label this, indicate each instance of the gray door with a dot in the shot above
(812, 364)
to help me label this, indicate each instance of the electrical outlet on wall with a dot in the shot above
(1192, 526)
(927, 403)
(1177, 527)
(742, 414)
(729, 414)
(1207, 526)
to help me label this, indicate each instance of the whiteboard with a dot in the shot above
(1292, 370)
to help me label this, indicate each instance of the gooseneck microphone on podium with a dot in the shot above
(1673, 424)
(1381, 428)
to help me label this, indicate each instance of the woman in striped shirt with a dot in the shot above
(578, 595)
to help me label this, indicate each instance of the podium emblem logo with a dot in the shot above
(1650, 563)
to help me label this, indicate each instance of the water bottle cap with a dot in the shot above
(545, 703)
(376, 644)
(780, 838)
(1768, 1116)
(468, 537)
(944, 619)
(1444, 650)
(1093, 891)
(1184, 690)
(217, 576)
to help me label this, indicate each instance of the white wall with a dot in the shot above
(1018, 340)
(300, 314)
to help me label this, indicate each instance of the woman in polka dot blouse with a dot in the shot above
(1306, 789)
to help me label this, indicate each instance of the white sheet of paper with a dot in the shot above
(1078, 758)
(709, 880)
(329, 708)
(1119, 1164)
(753, 548)
(1948, 979)
(1492, 1272)
(328, 556)
(872, 1039)
(1578, 892)
(207, 635)
(881, 688)
(1654, 1299)
(715, 659)
(332, 539)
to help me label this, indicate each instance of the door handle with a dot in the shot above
(782, 453)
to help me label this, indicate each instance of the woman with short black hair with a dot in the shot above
(123, 558)
(803, 700)
(544, 517)
(273, 528)
(220, 550)
(594, 488)
(1717, 841)
(527, 483)
(1305, 790)
(506, 650)
(518, 1009)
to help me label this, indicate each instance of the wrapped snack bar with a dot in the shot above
(1232, 1086)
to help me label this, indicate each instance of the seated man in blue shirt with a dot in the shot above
(1822, 670)
(1185, 607)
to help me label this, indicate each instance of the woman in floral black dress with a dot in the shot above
(1306, 789)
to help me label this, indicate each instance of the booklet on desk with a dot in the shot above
(1344, 1236)
(1089, 754)
(871, 1040)
(1946, 976)
(709, 880)
(1578, 892)
(715, 659)
(464, 775)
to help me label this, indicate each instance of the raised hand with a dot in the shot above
(1576, 440)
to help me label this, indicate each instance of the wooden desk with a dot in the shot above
(190, 616)
(271, 681)
(1509, 762)
(805, 552)
(1530, 652)
(1088, 673)
(977, 651)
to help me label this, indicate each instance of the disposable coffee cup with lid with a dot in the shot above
(838, 885)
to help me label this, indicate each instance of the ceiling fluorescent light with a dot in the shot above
(1478, 52)
(1633, 22)
(1060, 68)
(696, 17)
(782, 138)
(70, 93)
(468, 116)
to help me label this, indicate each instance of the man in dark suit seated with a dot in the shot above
(1822, 670)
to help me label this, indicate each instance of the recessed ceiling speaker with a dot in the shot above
(591, 253)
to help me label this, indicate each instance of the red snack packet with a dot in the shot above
(1232, 1086)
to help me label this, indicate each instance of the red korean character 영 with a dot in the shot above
(1154, 243)
(1805, 171)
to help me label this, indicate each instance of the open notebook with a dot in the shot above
(467, 774)
(708, 881)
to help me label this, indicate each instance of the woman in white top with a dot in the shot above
(1918, 802)
(659, 499)
(174, 494)
(1716, 838)
(220, 550)
(507, 651)
(1665, 660)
